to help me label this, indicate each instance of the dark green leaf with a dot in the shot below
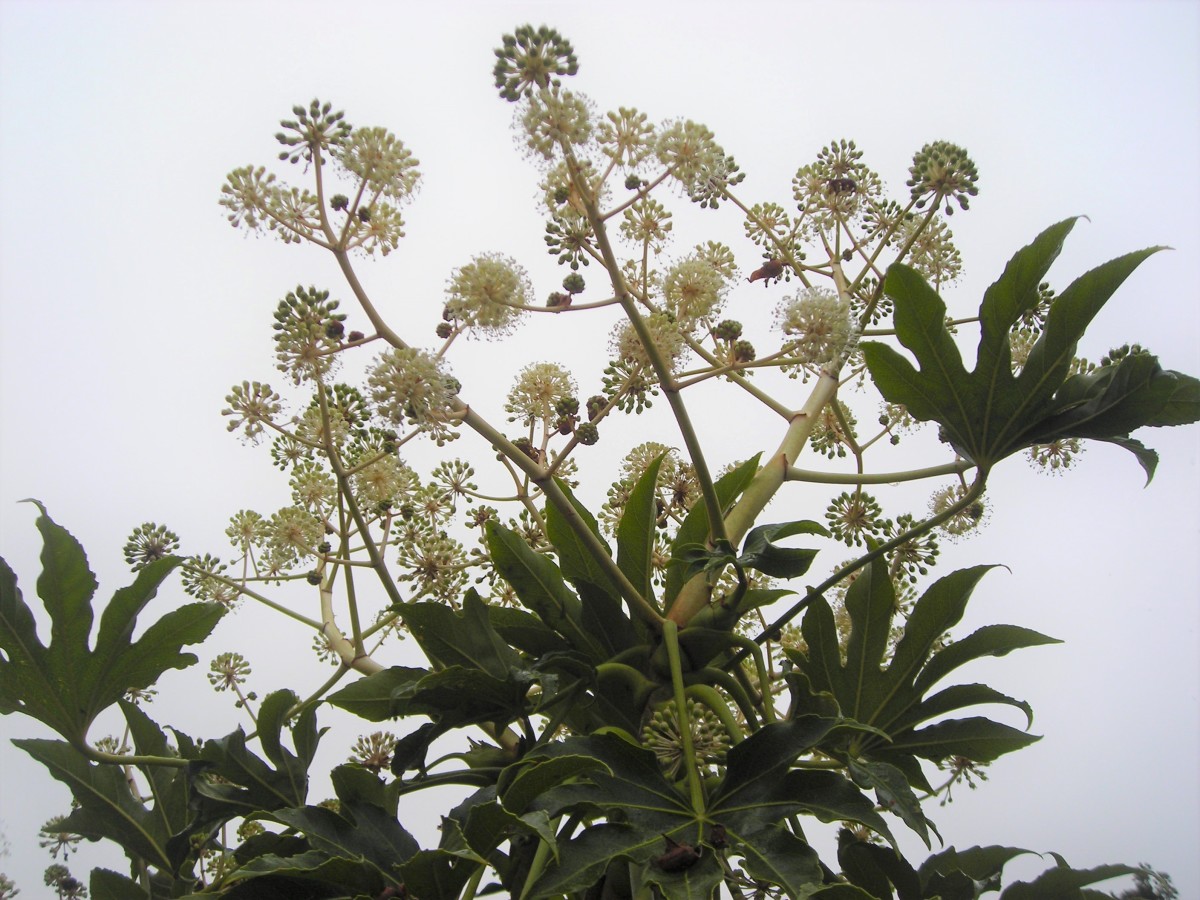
(989, 413)
(779, 857)
(976, 738)
(360, 831)
(372, 696)
(106, 807)
(108, 885)
(467, 639)
(760, 551)
(892, 789)
(877, 869)
(67, 684)
(636, 531)
(576, 560)
(694, 529)
(540, 587)
(1063, 882)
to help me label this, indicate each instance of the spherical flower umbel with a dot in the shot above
(539, 389)
(647, 222)
(693, 290)
(303, 348)
(531, 58)
(314, 129)
(817, 324)
(381, 161)
(374, 751)
(626, 137)
(414, 387)
(555, 116)
(1057, 456)
(665, 334)
(294, 533)
(380, 230)
(251, 404)
(943, 171)
(149, 543)
(245, 194)
(487, 292)
(689, 151)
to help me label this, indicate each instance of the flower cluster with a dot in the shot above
(818, 328)
(854, 517)
(251, 404)
(647, 222)
(413, 386)
(664, 736)
(626, 137)
(539, 390)
(838, 186)
(694, 291)
(692, 156)
(676, 487)
(943, 171)
(665, 333)
(306, 328)
(555, 117)
(149, 543)
(932, 252)
(314, 129)
(486, 294)
(531, 58)
(381, 161)
(374, 752)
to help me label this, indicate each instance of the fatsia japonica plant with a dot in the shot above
(633, 692)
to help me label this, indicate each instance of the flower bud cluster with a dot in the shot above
(943, 171)
(530, 59)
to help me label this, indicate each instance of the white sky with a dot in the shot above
(128, 306)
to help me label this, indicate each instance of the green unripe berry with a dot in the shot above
(587, 433)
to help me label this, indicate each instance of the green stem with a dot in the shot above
(671, 638)
(973, 493)
(707, 694)
(540, 857)
(662, 371)
(813, 477)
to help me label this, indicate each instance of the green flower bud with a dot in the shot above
(588, 433)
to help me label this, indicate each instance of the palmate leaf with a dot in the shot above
(248, 783)
(105, 806)
(892, 699)
(602, 613)
(68, 683)
(644, 812)
(541, 588)
(990, 413)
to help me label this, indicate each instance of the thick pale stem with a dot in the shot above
(695, 594)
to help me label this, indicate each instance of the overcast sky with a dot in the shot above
(128, 306)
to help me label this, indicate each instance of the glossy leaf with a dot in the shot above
(247, 782)
(68, 683)
(760, 789)
(465, 639)
(105, 805)
(892, 697)
(694, 528)
(1063, 883)
(636, 531)
(760, 552)
(990, 413)
(540, 587)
